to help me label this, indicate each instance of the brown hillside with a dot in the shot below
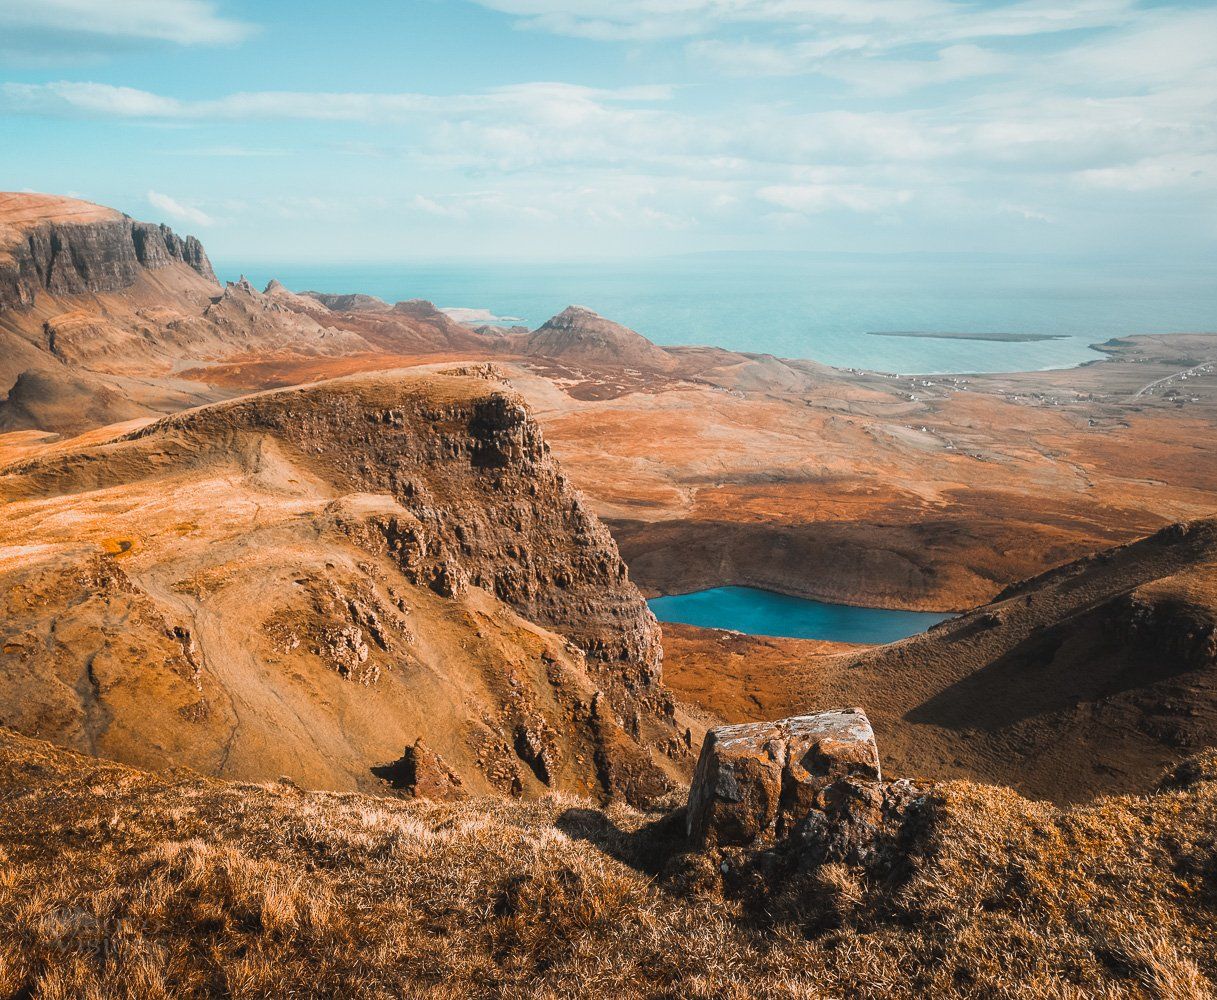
(103, 305)
(307, 582)
(580, 335)
(1089, 678)
(121, 883)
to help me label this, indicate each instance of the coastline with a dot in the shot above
(822, 311)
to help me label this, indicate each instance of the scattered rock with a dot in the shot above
(422, 773)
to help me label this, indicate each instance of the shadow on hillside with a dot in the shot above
(647, 849)
(1093, 657)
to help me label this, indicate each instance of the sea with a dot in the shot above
(821, 306)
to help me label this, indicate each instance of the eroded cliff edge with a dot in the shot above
(62, 247)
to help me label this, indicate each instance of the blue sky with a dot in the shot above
(600, 128)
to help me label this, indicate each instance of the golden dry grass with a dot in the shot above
(119, 883)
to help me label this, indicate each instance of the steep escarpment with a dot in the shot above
(43, 250)
(94, 303)
(382, 582)
(486, 504)
(96, 309)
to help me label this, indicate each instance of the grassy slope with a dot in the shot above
(118, 882)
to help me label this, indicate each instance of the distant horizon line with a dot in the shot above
(231, 263)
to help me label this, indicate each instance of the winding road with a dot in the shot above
(1167, 378)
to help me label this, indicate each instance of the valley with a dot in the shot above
(324, 631)
(710, 468)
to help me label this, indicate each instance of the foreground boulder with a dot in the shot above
(758, 781)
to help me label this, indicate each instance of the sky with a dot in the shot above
(547, 130)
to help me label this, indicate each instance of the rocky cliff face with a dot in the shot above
(487, 505)
(74, 255)
(97, 304)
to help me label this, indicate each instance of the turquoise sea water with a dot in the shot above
(818, 306)
(762, 612)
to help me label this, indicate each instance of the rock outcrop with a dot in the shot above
(759, 781)
(78, 253)
(132, 312)
(271, 320)
(275, 289)
(421, 773)
(354, 302)
(411, 327)
(482, 502)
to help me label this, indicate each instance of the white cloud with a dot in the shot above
(177, 210)
(43, 29)
(430, 206)
(84, 100)
(1026, 212)
(1009, 134)
(554, 127)
(1116, 43)
(939, 21)
(558, 104)
(746, 58)
(1155, 173)
(811, 199)
(843, 59)
(1168, 45)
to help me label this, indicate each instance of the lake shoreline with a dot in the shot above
(761, 612)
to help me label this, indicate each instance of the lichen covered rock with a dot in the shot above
(758, 781)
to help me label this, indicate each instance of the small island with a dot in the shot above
(998, 338)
